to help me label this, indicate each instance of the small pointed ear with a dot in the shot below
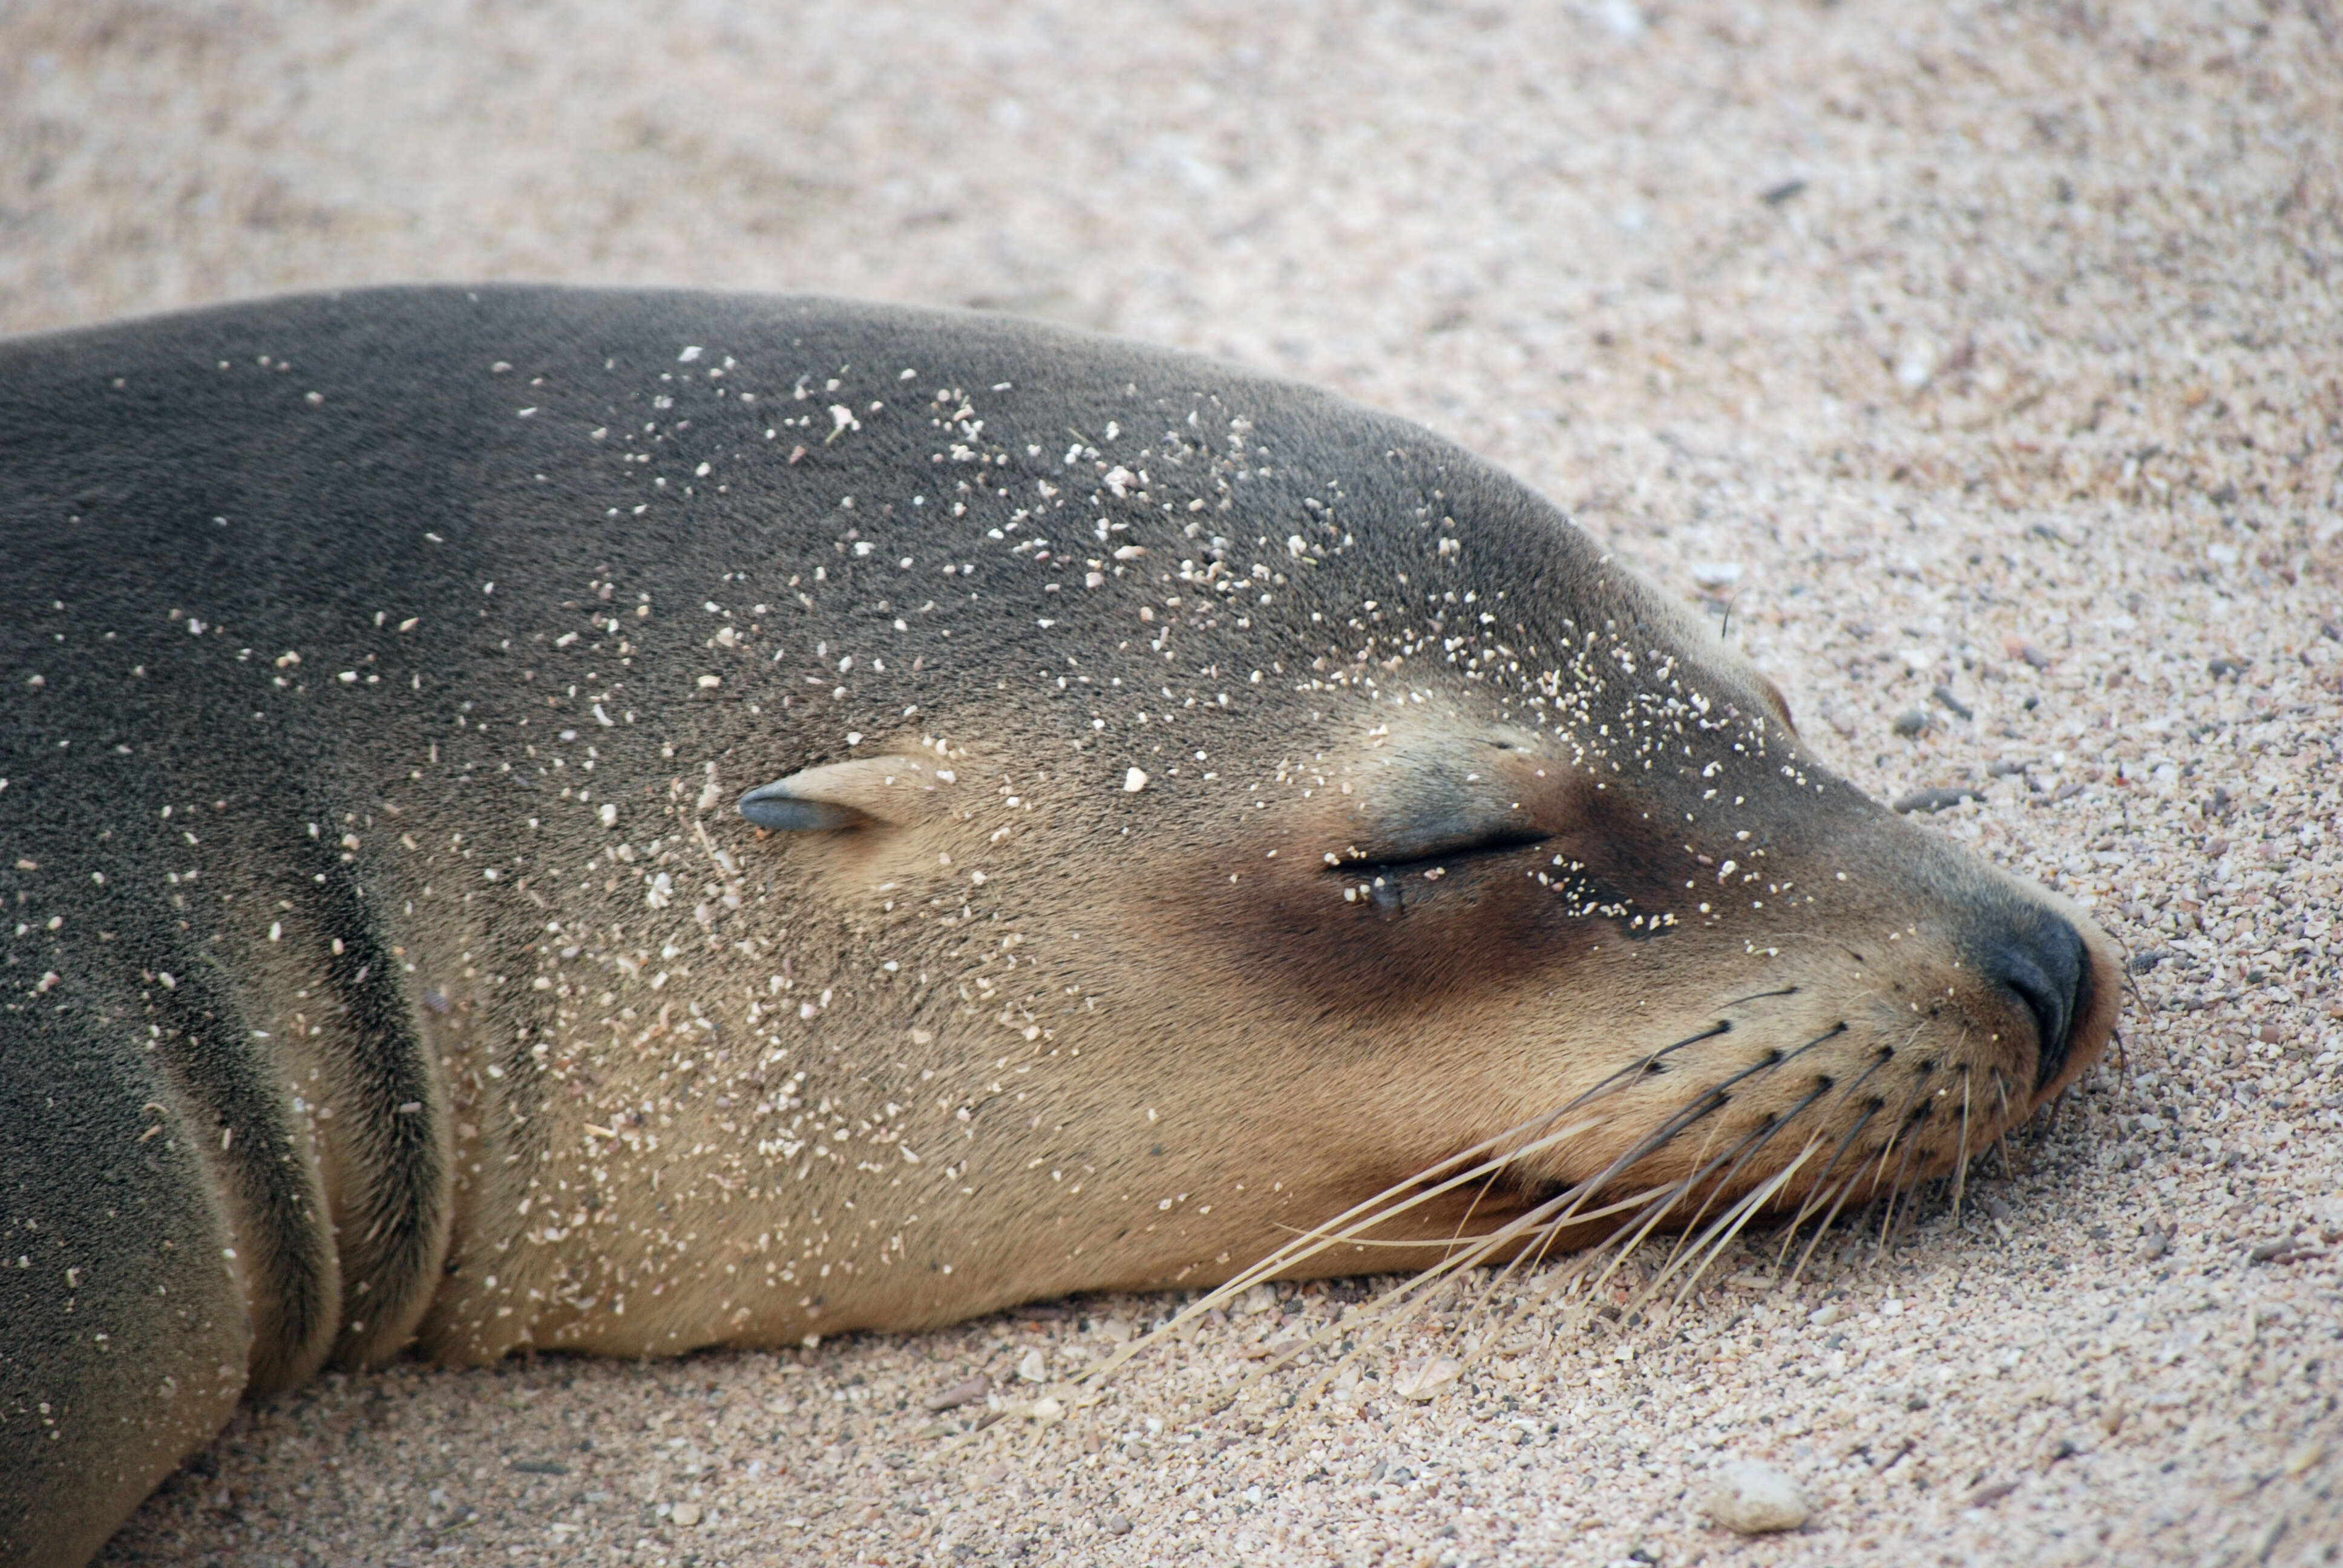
(866, 792)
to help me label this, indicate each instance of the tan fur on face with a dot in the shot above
(1225, 1050)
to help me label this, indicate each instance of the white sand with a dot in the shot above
(2046, 353)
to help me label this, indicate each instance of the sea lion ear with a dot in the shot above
(867, 792)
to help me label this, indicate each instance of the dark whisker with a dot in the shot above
(1882, 1059)
(1748, 1149)
(1846, 1189)
(1764, 996)
(1900, 1196)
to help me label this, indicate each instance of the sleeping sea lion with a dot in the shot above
(630, 820)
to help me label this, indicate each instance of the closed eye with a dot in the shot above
(1406, 857)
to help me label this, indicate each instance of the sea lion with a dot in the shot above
(630, 820)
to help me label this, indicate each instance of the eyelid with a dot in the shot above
(1405, 852)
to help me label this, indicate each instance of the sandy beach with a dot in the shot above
(1984, 361)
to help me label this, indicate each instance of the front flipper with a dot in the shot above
(125, 1337)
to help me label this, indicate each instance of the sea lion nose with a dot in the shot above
(2043, 963)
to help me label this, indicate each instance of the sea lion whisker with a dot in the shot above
(1824, 1087)
(1391, 1202)
(1961, 1162)
(1833, 1032)
(1878, 1061)
(1709, 1101)
(1547, 1220)
(1898, 1194)
(1899, 1142)
(1764, 995)
(1402, 1244)
(1569, 1200)
(1380, 1319)
(1345, 1229)
(1592, 1269)
(1540, 1142)
(1748, 1149)
(1622, 1243)
(1639, 1068)
(1527, 1257)
(2001, 1130)
(1474, 1206)
(1823, 1191)
(1632, 1202)
(1846, 1189)
(1903, 1125)
(1729, 1224)
(1740, 1156)
(1712, 1189)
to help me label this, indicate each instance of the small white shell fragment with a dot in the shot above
(1033, 1369)
(609, 815)
(1134, 781)
(1753, 1499)
(1424, 1379)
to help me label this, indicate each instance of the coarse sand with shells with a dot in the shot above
(1983, 364)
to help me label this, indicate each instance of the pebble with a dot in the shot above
(1260, 1298)
(966, 1392)
(1115, 1525)
(1753, 1499)
(686, 1514)
(1916, 362)
(1911, 722)
(1936, 799)
(1423, 1380)
(1033, 1369)
(1824, 1317)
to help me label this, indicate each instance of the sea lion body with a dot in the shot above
(1190, 803)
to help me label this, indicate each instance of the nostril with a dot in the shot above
(2046, 966)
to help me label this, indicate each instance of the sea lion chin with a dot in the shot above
(625, 820)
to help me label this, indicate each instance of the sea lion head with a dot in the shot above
(1308, 853)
